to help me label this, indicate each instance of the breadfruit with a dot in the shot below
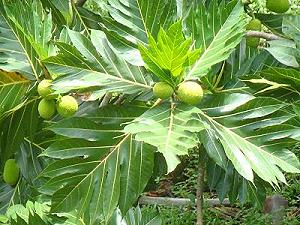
(46, 108)
(44, 88)
(278, 6)
(163, 90)
(190, 92)
(255, 25)
(67, 106)
(11, 172)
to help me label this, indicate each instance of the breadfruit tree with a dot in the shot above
(92, 92)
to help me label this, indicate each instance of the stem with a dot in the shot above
(200, 186)
(264, 35)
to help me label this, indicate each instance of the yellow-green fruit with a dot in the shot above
(278, 6)
(11, 172)
(44, 88)
(67, 106)
(255, 25)
(190, 92)
(163, 90)
(46, 108)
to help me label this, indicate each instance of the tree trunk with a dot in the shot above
(200, 186)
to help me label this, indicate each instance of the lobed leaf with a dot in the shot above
(96, 64)
(218, 30)
(170, 127)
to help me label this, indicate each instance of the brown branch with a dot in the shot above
(147, 200)
(263, 35)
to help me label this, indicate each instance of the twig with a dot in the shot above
(264, 35)
(147, 200)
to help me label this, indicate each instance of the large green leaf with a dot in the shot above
(253, 133)
(218, 30)
(130, 21)
(25, 32)
(170, 127)
(97, 65)
(96, 176)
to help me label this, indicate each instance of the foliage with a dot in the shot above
(91, 167)
(217, 216)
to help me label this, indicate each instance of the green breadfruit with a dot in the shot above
(190, 92)
(44, 88)
(46, 108)
(67, 106)
(163, 90)
(11, 172)
(255, 25)
(278, 6)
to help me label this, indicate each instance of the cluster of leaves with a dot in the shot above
(95, 165)
(37, 213)
(219, 216)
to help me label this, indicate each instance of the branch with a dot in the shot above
(80, 3)
(264, 35)
(146, 200)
